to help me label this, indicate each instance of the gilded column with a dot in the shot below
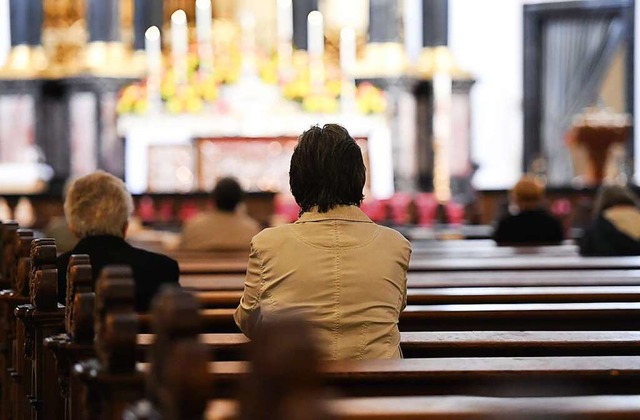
(301, 9)
(147, 13)
(26, 55)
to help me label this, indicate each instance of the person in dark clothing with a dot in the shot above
(615, 230)
(97, 208)
(532, 224)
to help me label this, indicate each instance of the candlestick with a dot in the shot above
(347, 65)
(442, 96)
(153, 49)
(203, 31)
(285, 36)
(180, 45)
(315, 48)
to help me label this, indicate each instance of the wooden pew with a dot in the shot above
(521, 263)
(36, 320)
(458, 407)
(494, 376)
(169, 398)
(429, 344)
(551, 278)
(598, 316)
(461, 295)
(407, 377)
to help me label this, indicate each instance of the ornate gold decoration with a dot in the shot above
(383, 59)
(24, 62)
(109, 59)
(434, 60)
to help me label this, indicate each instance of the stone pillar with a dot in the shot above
(147, 13)
(26, 18)
(435, 23)
(384, 21)
(301, 9)
(103, 18)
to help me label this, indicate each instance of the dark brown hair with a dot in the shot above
(327, 169)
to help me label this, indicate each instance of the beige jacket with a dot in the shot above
(344, 272)
(219, 231)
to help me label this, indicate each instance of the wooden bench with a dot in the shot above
(456, 407)
(498, 376)
(598, 316)
(449, 295)
(521, 263)
(551, 278)
(428, 344)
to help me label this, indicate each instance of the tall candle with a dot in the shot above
(153, 49)
(315, 37)
(285, 20)
(413, 29)
(285, 36)
(248, 25)
(347, 66)
(203, 31)
(180, 45)
(315, 49)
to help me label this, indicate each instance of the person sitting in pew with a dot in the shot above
(227, 228)
(342, 271)
(532, 224)
(97, 208)
(615, 230)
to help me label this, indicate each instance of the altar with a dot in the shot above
(167, 153)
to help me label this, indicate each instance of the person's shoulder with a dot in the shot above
(392, 236)
(148, 257)
(271, 235)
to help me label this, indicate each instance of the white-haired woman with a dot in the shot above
(97, 208)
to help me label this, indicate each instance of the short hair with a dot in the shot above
(528, 192)
(327, 169)
(98, 204)
(227, 194)
(614, 195)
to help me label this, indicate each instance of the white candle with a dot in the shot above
(203, 32)
(180, 45)
(285, 38)
(153, 49)
(315, 34)
(285, 21)
(413, 29)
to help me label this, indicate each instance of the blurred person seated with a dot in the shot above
(58, 229)
(226, 228)
(615, 230)
(97, 208)
(344, 273)
(531, 224)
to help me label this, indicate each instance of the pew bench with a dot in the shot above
(520, 263)
(449, 295)
(457, 407)
(428, 344)
(495, 376)
(550, 278)
(594, 316)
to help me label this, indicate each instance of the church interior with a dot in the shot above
(172, 249)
